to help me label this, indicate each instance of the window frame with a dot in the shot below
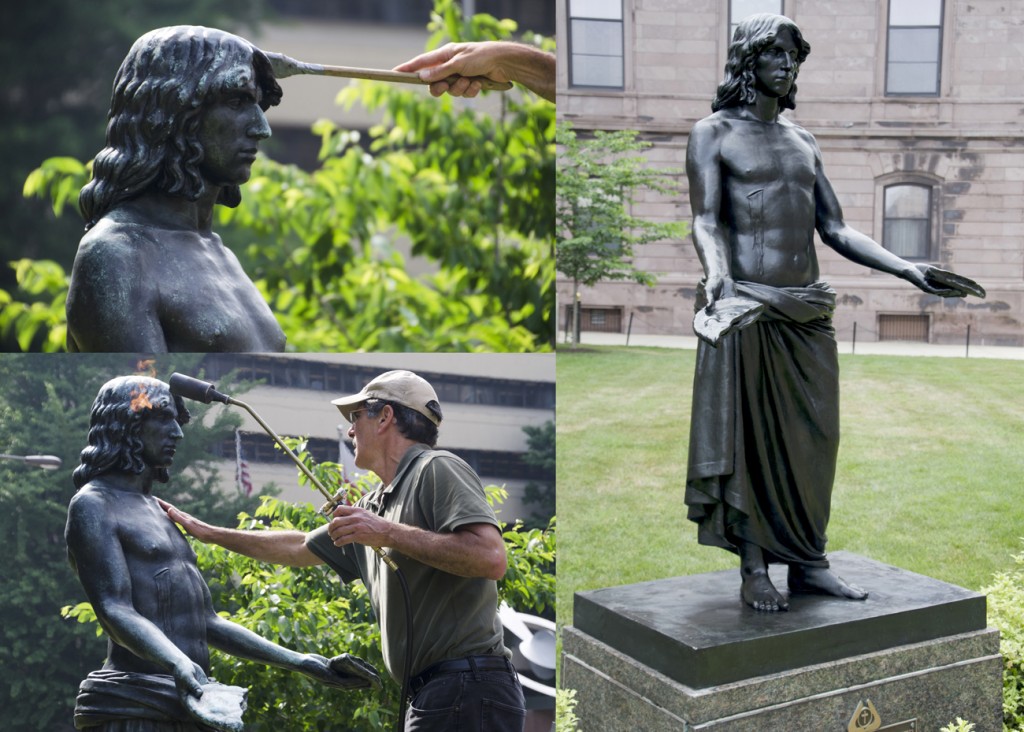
(731, 23)
(931, 229)
(571, 55)
(938, 52)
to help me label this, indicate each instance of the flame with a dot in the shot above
(140, 400)
(146, 367)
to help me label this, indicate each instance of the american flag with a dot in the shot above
(241, 467)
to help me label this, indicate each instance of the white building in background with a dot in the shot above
(486, 399)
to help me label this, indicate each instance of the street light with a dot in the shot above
(46, 462)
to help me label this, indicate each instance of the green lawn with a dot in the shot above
(930, 475)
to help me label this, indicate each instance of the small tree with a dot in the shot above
(540, 453)
(599, 180)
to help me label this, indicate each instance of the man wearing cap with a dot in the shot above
(431, 516)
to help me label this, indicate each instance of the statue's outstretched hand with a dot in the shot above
(342, 672)
(944, 283)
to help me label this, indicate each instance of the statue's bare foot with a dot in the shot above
(822, 581)
(759, 592)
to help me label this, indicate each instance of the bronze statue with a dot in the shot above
(765, 422)
(140, 575)
(151, 275)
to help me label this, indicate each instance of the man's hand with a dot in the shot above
(448, 68)
(342, 672)
(352, 525)
(460, 60)
(191, 524)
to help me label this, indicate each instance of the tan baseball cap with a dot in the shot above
(403, 387)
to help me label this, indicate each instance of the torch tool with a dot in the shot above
(205, 392)
(285, 66)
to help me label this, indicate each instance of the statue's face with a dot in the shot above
(776, 66)
(160, 434)
(231, 128)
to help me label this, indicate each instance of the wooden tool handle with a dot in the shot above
(402, 77)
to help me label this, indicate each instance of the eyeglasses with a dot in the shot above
(354, 415)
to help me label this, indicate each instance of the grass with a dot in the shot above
(929, 478)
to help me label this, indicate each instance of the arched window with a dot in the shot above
(914, 47)
(907, 220)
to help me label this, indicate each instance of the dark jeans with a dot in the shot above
(464, 701)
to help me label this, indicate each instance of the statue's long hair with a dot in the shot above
(155, 112)
(752, 36)
(115, 442)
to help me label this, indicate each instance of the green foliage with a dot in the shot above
(37, 320)
(305, 609)
(471, 194)
(960, 725)
(599, 180)
(44, 409)
(1006, 612)
(565, 711)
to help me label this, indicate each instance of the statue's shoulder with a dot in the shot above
(112, 243)
(92, 502)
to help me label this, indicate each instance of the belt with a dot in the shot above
(459, 665)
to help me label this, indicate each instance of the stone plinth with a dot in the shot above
(686, 653)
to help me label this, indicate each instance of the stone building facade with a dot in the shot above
(917, 105)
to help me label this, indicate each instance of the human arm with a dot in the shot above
(97, 555)
(471, 550)
(274, 546)
(704, 173)
(111, 303)
(500, 61)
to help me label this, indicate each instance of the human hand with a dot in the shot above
(192, 525)
(352, 525)
(342, 672)
(449, 68)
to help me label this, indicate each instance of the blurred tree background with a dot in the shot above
(472, 193)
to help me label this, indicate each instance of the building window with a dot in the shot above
(596, 44)
(915, 47)
(740, 9)
(907, 221)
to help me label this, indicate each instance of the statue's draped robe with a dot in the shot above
(764, 429)
(132, 702)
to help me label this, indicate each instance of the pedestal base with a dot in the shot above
(682, 654)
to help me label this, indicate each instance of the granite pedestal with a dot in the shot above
(685, 653)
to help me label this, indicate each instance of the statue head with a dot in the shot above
(167, 79)
(116, 424)
(752, 36)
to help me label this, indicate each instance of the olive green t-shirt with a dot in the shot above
(452, 616)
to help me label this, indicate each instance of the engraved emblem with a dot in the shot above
(865, 718)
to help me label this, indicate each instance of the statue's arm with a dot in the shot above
(102, 568)
(704, 173)
(345, 671)
(112, 302)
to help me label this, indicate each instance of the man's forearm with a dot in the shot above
(272, 546)
(464, 553)
(534, 69)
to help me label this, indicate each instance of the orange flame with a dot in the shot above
(140, 400)
(146, 367)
